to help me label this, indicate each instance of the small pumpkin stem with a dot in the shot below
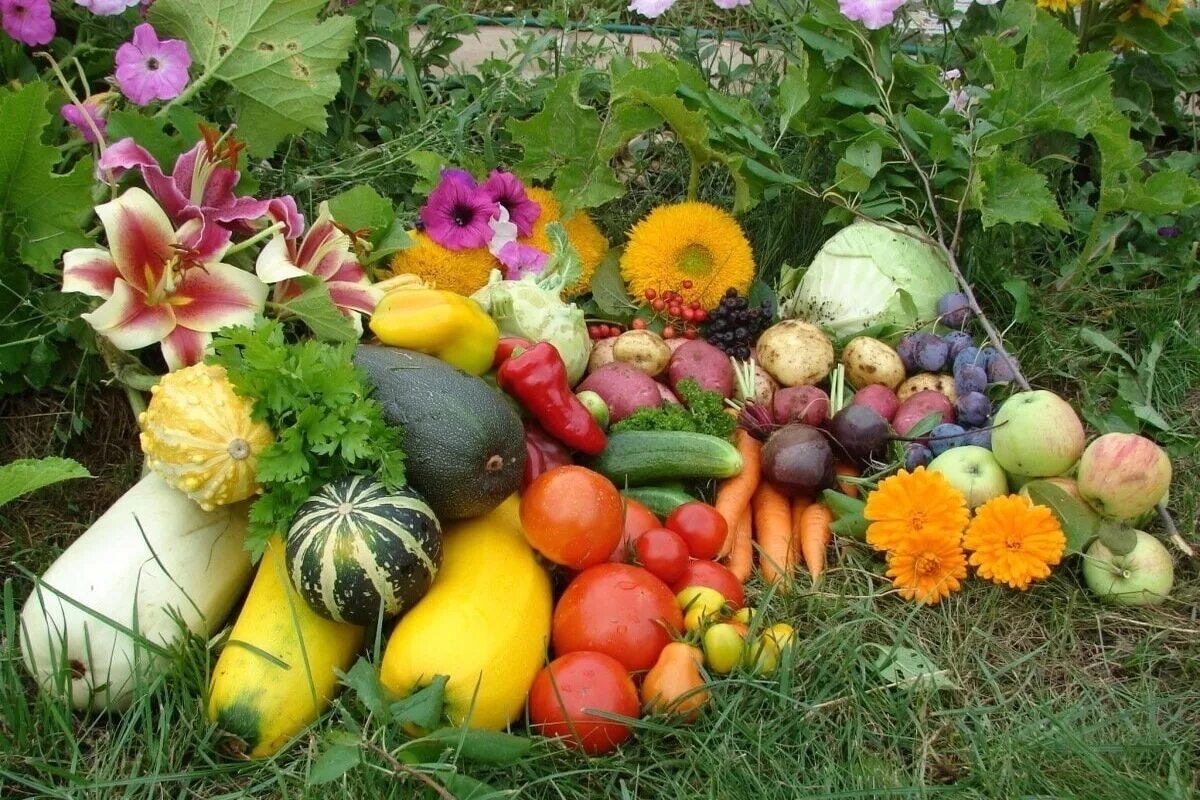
(238, 449)
(495, 463)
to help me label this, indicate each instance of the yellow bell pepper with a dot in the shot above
(443, 324)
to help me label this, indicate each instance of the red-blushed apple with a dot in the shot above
(1123, 475)
(1141, 577)
(974, 472)
(1037, 434)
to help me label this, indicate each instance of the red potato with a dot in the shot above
(919, 406)
(878, 398)
(667, 395)
(704, 364)
(806, 404)
(676, 343)
(624, 388)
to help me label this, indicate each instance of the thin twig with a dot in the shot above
(1172, 531)
(404, 769)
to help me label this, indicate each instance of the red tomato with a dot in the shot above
(663, 553)
(616, 609)
(572, 516)
(638, 520)
(569, 688)
(714, 576)
(702, 527)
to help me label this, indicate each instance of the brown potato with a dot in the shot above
(924, 381)
(795, 353)
(643, 349)
(869, 361)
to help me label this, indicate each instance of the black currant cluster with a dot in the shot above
(734, 325)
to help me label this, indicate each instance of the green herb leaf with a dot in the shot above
(1007, 191)
(363, 679)
(50, 209)
(464, 787)
(362, 208)
(314, 307)
(1080, 524)
(30, 474)
(334, 763)
(423, 707)
(278, 58)
(486, 747)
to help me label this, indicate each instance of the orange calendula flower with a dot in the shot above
(912, 504)
(928, 566)
(1014, 541)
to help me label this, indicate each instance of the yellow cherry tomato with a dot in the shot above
(701, 606)
(782, 634)
(762, 657)
(723, 646)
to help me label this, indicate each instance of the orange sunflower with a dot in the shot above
(912, 504)
(1014, 541)
(927, 566)
(582, 232)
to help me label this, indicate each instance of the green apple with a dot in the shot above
(1037, 435)
(1141, 577)
(974, 471)
(1123, 475)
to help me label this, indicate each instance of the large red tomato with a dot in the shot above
(572, 516)
(570, 687)
(638, 520)
(702, 527)
(714, 576)
(617, 609)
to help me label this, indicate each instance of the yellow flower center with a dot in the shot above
(695, 259)
(926, 564)
(1013, 541)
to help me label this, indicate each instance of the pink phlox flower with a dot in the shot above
(507, 191)
(27, 21)
(456, 215)
(874, 14)
(151, 69)
(650, 8)
(107, 8)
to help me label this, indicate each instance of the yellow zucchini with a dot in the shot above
(484, 623)
(276, 673)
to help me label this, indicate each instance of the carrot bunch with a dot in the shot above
(788, 531)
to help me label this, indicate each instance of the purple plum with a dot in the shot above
(946, 436)
(953, 309)
(974, 409)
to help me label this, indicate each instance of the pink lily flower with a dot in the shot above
(161, 284)
(201, 184)
(326, 253)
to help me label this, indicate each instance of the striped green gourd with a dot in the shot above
(356, 549)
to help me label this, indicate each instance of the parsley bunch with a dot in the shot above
(703, 412)
(319, 405)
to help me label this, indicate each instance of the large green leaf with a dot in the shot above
(1080, 524)
(49, 209)
(27, 475)
(1007, 191)
(278, 58)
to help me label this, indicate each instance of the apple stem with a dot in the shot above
(1173, 532)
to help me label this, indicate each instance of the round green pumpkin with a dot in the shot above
(356, 550)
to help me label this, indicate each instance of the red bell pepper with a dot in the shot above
(537, 378)
(542, 453)
(505, 348)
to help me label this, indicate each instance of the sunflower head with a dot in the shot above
(689, 241)
(551, 212)
(1014, 541)
(911, 504)
(927, 567)
(462, 271)
(591, 245)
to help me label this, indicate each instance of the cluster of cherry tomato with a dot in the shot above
(628, 631)
(679, 318)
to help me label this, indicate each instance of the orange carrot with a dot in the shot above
(733, 495)
(846, 469)
(741, 557)
(773, 532)
(815, 536)
(799, 504)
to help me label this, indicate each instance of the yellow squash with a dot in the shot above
(276, 673)
(484, 623)
(442, 324)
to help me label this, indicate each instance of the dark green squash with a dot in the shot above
(355, 550)
(464, 444)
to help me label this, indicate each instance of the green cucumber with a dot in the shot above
(662, 500)
(637, 458)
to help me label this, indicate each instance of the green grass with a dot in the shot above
(1041, 694)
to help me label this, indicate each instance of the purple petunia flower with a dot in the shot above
(27, 21)
(106, 8)
(456, 215)
(152, 69)
(874, 14)
(520, 260)
(95, 108)
(650, 8)
(506, 190)
(460, 175)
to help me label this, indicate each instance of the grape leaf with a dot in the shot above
(30, 474)
(50, 209)
(280, 61)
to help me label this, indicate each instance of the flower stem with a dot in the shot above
(255, 239)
